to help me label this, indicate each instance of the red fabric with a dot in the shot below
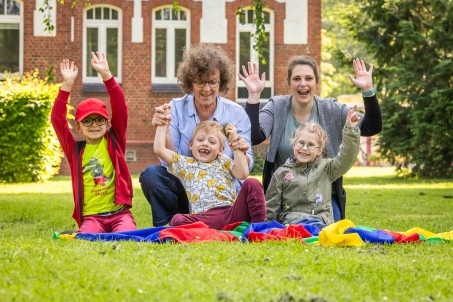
(400, 238)
(232, 226)
(123, 184)
(195, 232)
(291, 232)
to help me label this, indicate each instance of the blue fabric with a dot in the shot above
(313, 225)
(376, 236)
(165, 194)
(263, 227)
(336, 209)
(143, 235)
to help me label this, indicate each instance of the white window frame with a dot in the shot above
(250, 27)
(102, 26)
(170, 25)
(16, 19)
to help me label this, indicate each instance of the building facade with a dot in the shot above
(144, 40)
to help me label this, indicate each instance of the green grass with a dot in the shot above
(34, 267)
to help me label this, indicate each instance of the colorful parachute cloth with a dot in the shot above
(341, 233)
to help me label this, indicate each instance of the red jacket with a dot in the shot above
(116, 145)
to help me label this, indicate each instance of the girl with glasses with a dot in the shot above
(300, 190)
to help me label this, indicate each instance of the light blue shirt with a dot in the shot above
(184, 119)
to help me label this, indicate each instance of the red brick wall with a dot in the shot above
(41, 52)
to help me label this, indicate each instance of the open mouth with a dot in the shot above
(304, 92)
(204, 151)
(206, 94)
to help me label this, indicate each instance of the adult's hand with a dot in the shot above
(162, 115)
(253, 82)
(363, 78)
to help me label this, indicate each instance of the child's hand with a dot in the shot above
(162, 117)
(353, 119)
(68, 70)
(230, 131)
(69, 73)
(100, 64)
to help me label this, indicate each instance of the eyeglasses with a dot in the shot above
(100, 121)
(212, 84)
(309, 146)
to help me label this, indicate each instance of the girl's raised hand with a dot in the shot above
(353, 119)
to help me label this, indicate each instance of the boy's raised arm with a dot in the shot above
(240, 169)
(69, 73)
(100, 64)
(159, 147)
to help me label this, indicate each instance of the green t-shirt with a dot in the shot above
(98, 180)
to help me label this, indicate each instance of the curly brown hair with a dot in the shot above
(200, 62)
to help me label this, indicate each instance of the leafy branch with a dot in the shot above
(260, 36)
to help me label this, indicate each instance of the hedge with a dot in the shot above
(29, 148)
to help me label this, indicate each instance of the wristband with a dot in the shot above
(369, 93)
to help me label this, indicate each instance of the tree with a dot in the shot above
(337, 49)
(412, 42)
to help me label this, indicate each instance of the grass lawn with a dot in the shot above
(35, 267)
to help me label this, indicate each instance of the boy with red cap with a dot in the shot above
(101, 182)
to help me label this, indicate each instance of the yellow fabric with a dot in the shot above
(67, 236)
(418, 230)
(98, 180)
(333, 235)
(446, 235)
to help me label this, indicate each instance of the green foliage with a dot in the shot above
(260, 36)
(412, 42)
(29, 148)
(337, 50)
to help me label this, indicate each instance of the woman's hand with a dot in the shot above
(253, 82)
(162, 115)
(363, 78)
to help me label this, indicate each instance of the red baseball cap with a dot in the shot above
(91, 106)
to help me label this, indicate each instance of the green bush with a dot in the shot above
(29, 148)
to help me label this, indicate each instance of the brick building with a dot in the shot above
(144, 39)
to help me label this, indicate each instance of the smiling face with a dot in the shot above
(206, 145)
(307, 146)
(303, 84)
(205, 96)
(93, 134)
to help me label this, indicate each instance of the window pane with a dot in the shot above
(90, 14)
(243, 93)
(112, 50)
(114, 14)
(265, 67)
(13, 8)
(182, 15)
(244, 49)
(92, 45)
(161, 52)
(180, 43)
(98, 13)
(166, 15)
(267, 17)
(250, 16)
(9, 47)
(106, 13)
(159, 15)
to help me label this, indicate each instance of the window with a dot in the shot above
(10, 37)
(102, 31)
(170, 37)
(246, 53)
